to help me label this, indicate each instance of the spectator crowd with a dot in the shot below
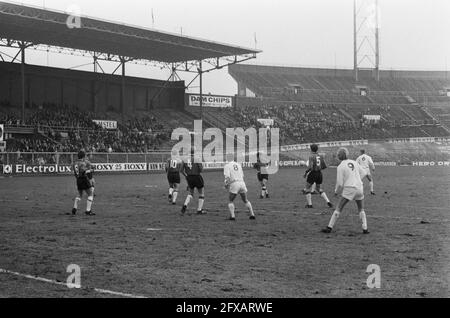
(67, 129)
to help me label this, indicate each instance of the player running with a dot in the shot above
(173, 168)
(313, 176)
(350, 187)
(192, 171)
(83, 171)
(367, 166)
(234, 183)
(263, 175)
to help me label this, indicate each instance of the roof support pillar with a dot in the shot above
(200, 74)
(23, 47)
(122, 94)
(95, 62)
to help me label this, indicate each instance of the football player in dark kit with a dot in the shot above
(192, 171)
(262, 175)
(314, 176)
(173, 168)
(83, 171)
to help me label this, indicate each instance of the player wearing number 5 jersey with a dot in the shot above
(173, 168)
(313, 176)
(350, 187)
(234, 183)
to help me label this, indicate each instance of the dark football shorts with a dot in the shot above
(195, 182)
(174, 178)
(262, 177)
(83, 184)
(315, 177)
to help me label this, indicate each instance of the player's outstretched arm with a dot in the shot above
(339, 182)
(183, 169)
(227, 183)
(306, 173)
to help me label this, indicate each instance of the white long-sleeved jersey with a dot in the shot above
(348, 176)
(365, 162)
(233, 172)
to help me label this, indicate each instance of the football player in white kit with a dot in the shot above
(234, 183)
(367, 165)
(350, 187)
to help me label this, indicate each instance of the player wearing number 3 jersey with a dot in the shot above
(350, 187)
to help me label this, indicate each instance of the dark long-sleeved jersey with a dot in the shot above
(192, 169)
(316, 163)
(83, 169)
(173, 166)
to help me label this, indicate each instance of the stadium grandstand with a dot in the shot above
(328, 104)
(49, 110)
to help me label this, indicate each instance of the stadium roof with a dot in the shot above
(45, 27)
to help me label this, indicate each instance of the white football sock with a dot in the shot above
(170, 191)
(334, 218)
(231, 208)
(325, 197)
(371, 186)
(90, 200)
(201, 201)
(309, 199)
(75, 204)
(188, 200)
(250, 208)
(175, 196)
(363, 217)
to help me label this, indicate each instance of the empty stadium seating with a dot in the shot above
(396, 98)
(393, 86)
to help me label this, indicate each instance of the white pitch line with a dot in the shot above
(105, 291)
(54, 282)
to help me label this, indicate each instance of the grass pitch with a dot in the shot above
(140, 245)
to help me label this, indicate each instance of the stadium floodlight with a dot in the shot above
(366, 36)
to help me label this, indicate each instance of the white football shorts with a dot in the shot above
(353, 194)
(366, 172)
(238, 187)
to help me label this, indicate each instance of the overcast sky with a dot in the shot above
(415, 34)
